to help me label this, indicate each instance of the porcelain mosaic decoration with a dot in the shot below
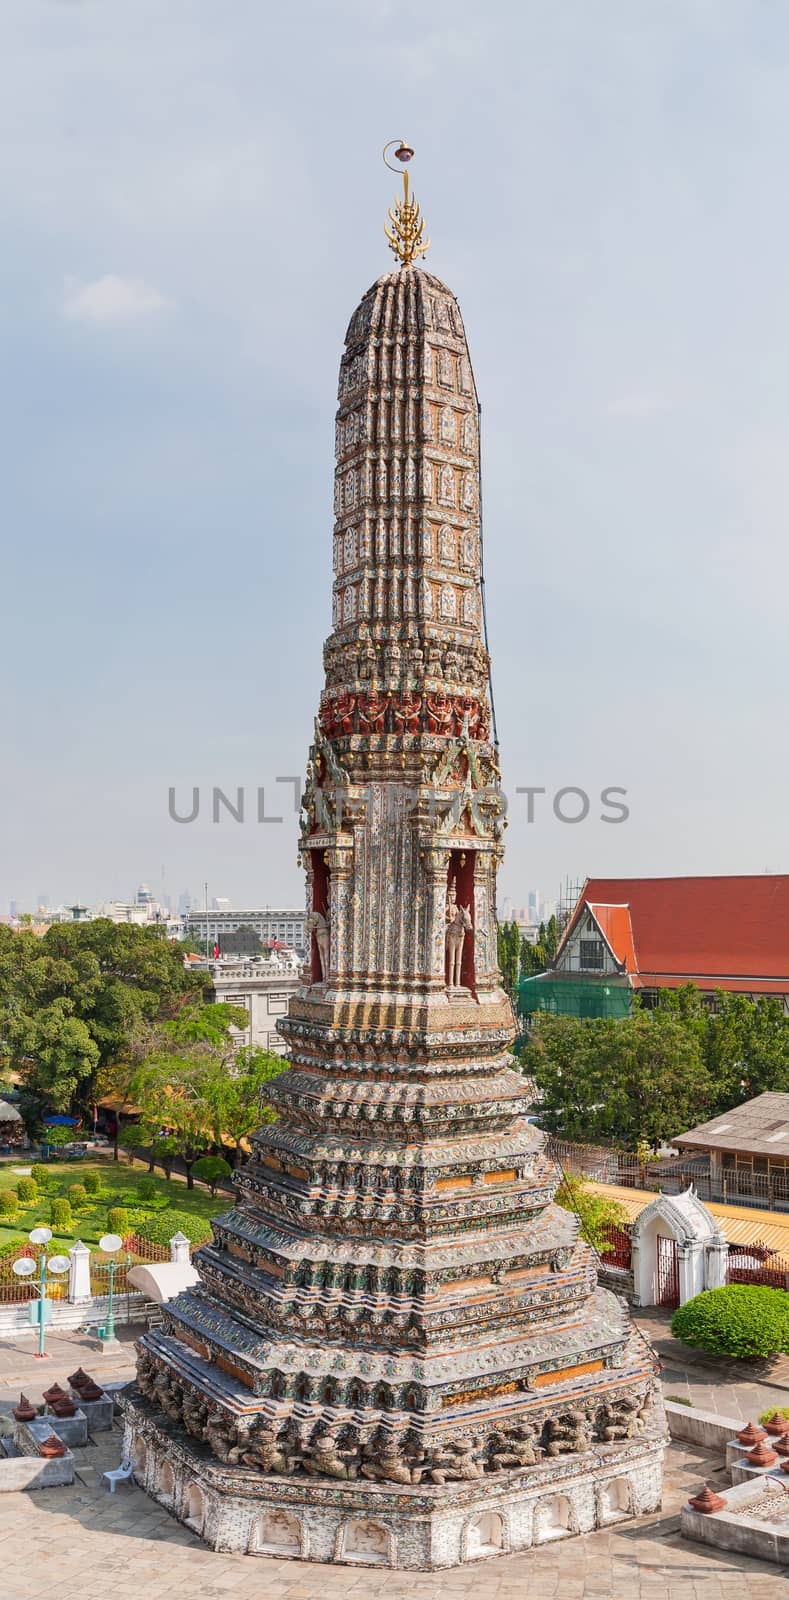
(398, 1354)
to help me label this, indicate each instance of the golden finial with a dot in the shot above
(405, 234)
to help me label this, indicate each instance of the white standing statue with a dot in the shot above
(458, 920)
(318, 925)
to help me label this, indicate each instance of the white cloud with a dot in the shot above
(113, 299)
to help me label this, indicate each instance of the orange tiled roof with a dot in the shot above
(740, 1224)
(728, 933)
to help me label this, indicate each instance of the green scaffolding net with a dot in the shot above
(573, 997)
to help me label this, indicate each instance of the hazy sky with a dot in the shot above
(192, 203)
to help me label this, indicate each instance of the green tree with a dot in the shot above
(642, 1077)
(748, 1048)
(130, 1138)
(211, 1169)
(179, 1083)
(239, 1101)
(210, 1023)
(61, 1053)
(508, 945)
(69, 1001)
(598, 1214)
(532, 959)
(57, 1136)
(116, 1078)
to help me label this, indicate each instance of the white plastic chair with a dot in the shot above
(118, 1474)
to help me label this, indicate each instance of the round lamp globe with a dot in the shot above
(110, 1242)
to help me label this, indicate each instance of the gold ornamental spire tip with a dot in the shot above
(406, 233)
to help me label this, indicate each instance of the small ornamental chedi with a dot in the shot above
(398, 1354)
(707, 1501)
(777, 1425)
(751, 1434)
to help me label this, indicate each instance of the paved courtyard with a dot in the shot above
(79, 1542)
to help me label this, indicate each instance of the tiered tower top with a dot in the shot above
(407, 599)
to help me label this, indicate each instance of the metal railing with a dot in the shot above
(16, 1291)
(136, 1251)
(732, 1185)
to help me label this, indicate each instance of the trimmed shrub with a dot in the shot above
(27, 1190)
(210, 1169)
(60, 1215)
(9, 1205)
(767, 1416)
(9, 1249)
(40, 1173)
(159, 1229)
(92, 1182)
(742, 1320)
(146, 1189)
(118, 1220)
(77, 1194)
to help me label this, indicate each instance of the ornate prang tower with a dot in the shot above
(398, 1354)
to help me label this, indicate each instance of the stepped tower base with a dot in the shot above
(369, 1524)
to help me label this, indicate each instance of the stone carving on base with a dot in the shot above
(568, 1434)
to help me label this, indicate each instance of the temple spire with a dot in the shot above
(406, 233)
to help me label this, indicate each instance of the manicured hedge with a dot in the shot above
(92, 1182)
(77, 1194)
(160, 1228)
(740, 1320)
(60, 1215)
(40, 1172)
(118, 1220)
(9, 1204)
(27, 1189)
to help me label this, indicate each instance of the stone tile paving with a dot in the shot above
(81, 1542)
(735, 1389)
(64, 1353)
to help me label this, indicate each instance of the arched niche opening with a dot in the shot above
(366, 1541)
(552, 1518)
(194, 1510)
(276, 1533)
(460, 900)
(484, 1535)
(614, 1502)
(321, 879)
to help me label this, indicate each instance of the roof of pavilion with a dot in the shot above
(760, 1127)
(717, 932)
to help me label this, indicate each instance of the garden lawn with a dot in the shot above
(120, 1187)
